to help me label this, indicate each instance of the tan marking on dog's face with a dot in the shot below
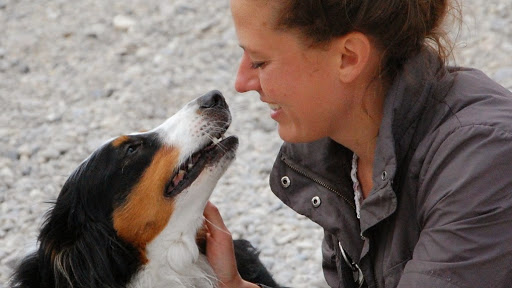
(146, 210)
(120, 140)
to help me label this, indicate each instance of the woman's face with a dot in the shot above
(300, 84)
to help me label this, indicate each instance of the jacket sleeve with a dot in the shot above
(464, 205)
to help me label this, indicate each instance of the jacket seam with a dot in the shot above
(433, 275)
(388, 271)
(448, 135)
(456, 129)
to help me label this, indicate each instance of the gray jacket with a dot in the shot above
(440, 211)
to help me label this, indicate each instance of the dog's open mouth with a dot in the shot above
(190, 169)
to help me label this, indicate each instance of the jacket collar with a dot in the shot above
(320, 169)
(404, 106)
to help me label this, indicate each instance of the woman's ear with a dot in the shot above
(354, 50)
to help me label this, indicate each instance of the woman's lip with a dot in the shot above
(275, 110)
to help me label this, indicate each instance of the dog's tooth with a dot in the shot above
(178, 177)
(190, 165)
(215, 140)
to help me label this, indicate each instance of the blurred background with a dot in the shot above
(74, 74)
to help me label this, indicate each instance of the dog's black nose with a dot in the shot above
(212, 99)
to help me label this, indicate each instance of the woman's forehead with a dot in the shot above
(265, 12)
(252, 22)
(251, 11)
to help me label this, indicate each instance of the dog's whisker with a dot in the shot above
(220, 145)
(214, 139)
(218, 228)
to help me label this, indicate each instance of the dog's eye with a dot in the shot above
(132, 148)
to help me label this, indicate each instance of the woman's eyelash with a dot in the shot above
(256, 65)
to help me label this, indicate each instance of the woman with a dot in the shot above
(404, 162)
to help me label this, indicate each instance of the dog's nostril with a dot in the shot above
(212, 99)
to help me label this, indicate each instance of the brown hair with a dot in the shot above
(399, 28)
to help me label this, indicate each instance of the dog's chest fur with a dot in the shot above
(174, 259)
(198, 275)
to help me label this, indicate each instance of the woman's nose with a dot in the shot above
(247, 78)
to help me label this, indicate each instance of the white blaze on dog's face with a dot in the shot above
(164, 207)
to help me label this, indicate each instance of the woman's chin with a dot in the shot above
(292, 135)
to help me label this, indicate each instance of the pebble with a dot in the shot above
(123, 22)
(52, 117)
(288, 238)
(96, 30)
(26, 150)
(102, 70)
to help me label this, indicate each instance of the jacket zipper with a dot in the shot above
(319, 182)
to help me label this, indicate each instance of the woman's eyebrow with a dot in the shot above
(244, 48)
(250, 51)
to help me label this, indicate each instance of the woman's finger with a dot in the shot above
(214, 221)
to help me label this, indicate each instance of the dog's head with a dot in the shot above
(136, 194)
(187, 158)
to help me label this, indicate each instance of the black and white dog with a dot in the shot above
(131, 214)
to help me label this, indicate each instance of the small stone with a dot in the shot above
(103, 93)
(10, 154)
(143, 52)
(25, 150)
(26, 171)
(129, 49)
(305, 244)
(6, 172)
(24, 69)
(287, 238)
(53, 117)
(36, 193)
(95, 31)
(123, 22)
(49, 154)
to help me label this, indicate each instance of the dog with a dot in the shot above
(131, 214)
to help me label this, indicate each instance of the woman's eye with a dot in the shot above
(256, 65)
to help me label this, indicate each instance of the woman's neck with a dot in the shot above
(360, 132)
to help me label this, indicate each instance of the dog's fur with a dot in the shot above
(129, 215)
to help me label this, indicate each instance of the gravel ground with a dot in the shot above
(76, 73)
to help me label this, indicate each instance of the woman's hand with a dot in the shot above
(220, 251)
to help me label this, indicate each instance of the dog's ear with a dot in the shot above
(78, 246)
(92, 256)
(27, 274)
(96, 258)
